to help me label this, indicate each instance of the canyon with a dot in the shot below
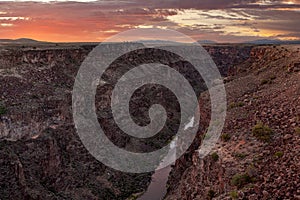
(41, 155)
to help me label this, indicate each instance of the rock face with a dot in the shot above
(264, 91)
(227, 58)
(36, 83)
(41, 156)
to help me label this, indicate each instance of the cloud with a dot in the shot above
(96, 20)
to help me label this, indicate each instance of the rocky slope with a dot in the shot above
(257, 156)
(42, 157)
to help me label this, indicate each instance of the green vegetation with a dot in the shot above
(297, 130)
(3, 110)
(215, 156)
(132, 198)
(265, 81)
(234, 194)
(268, 80)
(232, 105)
(240, 180)
(240, 155)
(278, 154)
(236, 104)
(262, 132)
(225, 137)
(211, 194)
(272, 77)
(249, 186)
(240, 104)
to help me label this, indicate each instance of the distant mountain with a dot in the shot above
(20, 40)
(206, 42)
(267, 41)
(26, 40)
(5, 40)
(157, 42)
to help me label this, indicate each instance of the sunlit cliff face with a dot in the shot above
(90, 20)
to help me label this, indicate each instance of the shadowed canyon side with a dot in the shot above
(42, 157)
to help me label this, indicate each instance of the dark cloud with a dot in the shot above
(289, 35)
(228, 17)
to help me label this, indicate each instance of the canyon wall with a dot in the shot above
(263, 95)
(42, 156)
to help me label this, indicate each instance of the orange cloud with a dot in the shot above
(221, 20)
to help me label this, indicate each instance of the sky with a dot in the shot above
(96, 20)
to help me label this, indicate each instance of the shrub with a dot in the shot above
(272, 77)
(264, 81)
(240, 180)
(225, 137)
(234, 194)
(232, 105)
(215, 156)
(262, 132)
(211, 194)
(3, 110)
(278, 154)
(297, 130)
(240, 104)
(236, 104)
(268, 81)
(134, 196)
(240, 155)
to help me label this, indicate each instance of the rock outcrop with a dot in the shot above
(266, 92)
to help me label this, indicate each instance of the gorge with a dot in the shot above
(42, 157)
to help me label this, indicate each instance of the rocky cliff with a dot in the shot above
(41, 155)
(43, 158)
(257, 156)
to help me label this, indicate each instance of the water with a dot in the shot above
(158, 186)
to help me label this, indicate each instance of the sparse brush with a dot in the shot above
(273, 77)
(278, 154)
(211, 194)
(240, 104)
(215, 156)
(234, 194)
(297, 130)
(265, 81)
(3, 110)
(232, 105)
(239, 180)
(225, 137)
(240, 155)
(236, 104)
(262, 132)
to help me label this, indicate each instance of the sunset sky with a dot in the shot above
(91, 21)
